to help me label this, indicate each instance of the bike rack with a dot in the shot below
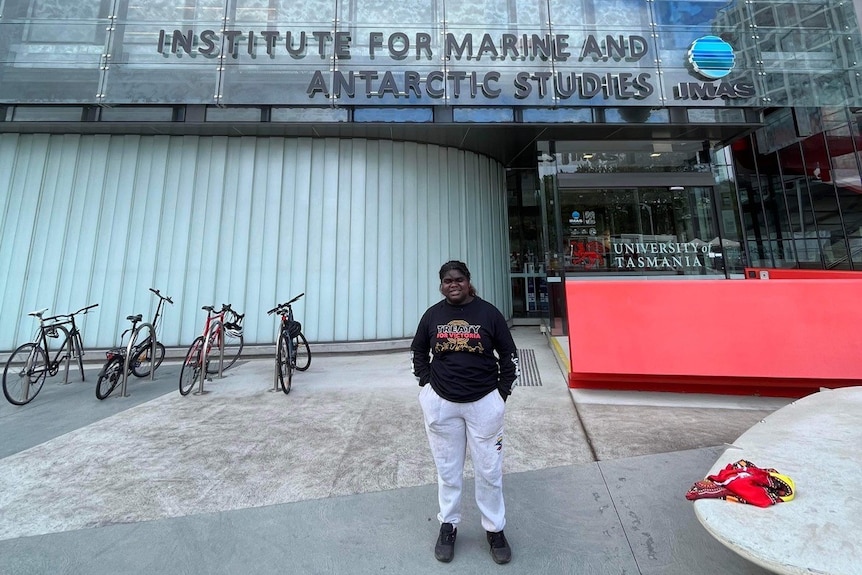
(205, 354)
(72, 351)
(275, 371)
(133, 337)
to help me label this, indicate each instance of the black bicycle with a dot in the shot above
(145, 357)
(292, 351)
(29, 365)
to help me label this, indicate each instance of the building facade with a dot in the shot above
(245, 151)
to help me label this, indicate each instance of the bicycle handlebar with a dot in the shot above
(294, 299)
(285, 305)
(83, 310)
(225, 307)
(164, 297)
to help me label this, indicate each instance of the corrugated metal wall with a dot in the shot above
(360, 226)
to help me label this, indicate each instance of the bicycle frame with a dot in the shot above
(72, 339)
(150, 341)
(213, 333)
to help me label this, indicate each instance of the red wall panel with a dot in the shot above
(715, 335)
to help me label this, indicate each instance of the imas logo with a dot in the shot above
(712, 58)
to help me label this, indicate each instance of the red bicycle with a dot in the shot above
(222, 335)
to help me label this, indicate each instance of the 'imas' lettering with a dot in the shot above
(712, 91)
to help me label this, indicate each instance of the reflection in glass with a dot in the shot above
(483, 115)
(568, 115)
(47, 114)
(637, 115)
(233, 114)
(643, 231)
(393, 115)
(308, 115)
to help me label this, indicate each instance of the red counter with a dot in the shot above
(779, 337)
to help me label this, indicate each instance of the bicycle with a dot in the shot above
(29, 365)
(292, 351)
(142, 362)
(223, 332)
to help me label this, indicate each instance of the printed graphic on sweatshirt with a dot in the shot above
(458, 335)
(517, 362)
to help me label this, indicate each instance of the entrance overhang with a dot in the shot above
(512, 144)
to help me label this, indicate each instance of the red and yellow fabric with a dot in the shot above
(744, 482)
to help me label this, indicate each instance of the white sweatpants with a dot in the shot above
(451, 428)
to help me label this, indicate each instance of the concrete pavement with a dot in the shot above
(336, 477)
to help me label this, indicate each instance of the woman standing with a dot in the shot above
(472, 365)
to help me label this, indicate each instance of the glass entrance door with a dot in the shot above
(641, 231)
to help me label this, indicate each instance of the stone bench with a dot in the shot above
(817, 442)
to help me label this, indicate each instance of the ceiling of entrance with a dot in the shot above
(512, 144)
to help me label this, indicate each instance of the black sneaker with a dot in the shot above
(500, 550)
(445, 548)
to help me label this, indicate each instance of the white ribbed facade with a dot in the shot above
(360, 226)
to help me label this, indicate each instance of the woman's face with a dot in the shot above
(455, 287)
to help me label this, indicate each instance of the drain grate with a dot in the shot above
(529, 368)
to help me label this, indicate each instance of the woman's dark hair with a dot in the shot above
(461, 267)
(454, 265)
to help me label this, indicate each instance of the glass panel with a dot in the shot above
(526, 268)
(47, 114)
(637, 116)
(687, 13)
(715, 115)
(171, 11)
(567, 115)
(642, 231)
(607, 157)
(47, 10)
(130, 114)
(393, 115)
(483, 115)
(282, 50)
(732, 248)
(166, 52)
(551, 220)
(801, 226)
(233, 115)
(844, 141)
(45, 61)
(832, 167)
(394, 55)
(308, 115)
(809, 192)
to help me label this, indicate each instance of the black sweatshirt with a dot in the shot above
(462, 341)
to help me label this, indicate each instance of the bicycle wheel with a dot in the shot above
(303, 352)
(283, 364)
(142, 363)
(109, 377)
(191, 370)
(232, 350)
(25, 373)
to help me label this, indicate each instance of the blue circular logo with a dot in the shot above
(711, 57)
(576, 215)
